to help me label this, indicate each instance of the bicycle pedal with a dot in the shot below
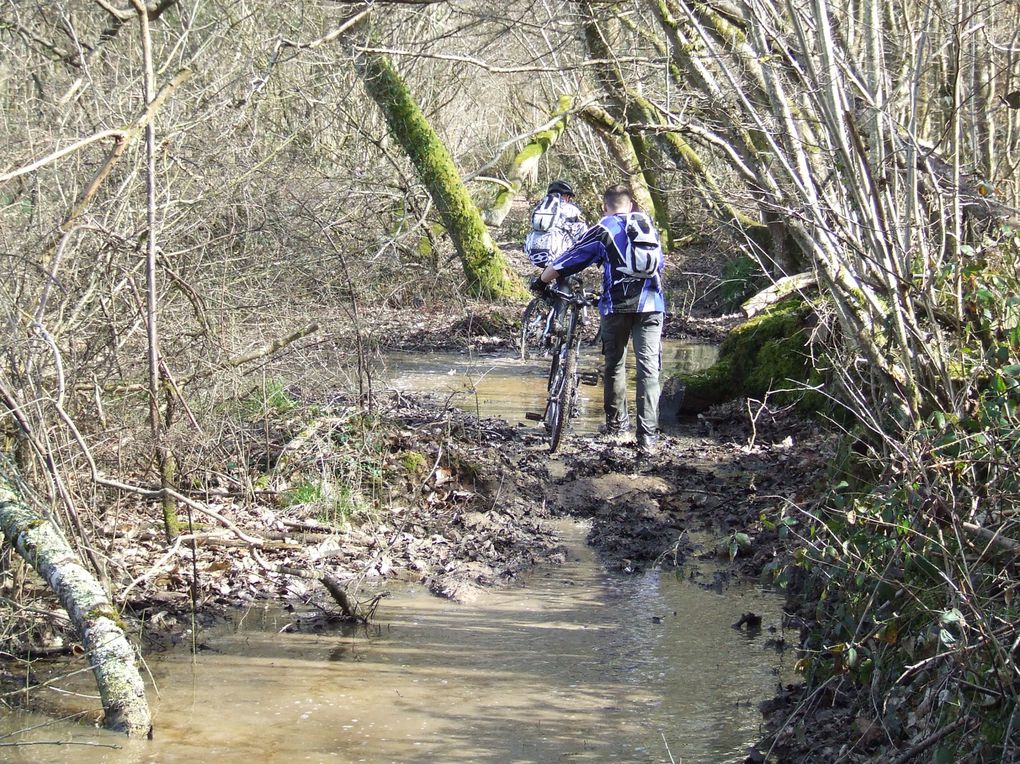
(533, 416)
(589, 377)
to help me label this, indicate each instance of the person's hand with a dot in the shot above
(537, 286)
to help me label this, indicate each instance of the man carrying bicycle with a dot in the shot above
(624, 242)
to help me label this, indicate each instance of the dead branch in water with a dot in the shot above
(352, 610)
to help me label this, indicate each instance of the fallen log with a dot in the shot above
(781, 289)
(94, 618)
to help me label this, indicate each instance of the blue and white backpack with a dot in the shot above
(546, 214)
(546, 239)
(644, 256)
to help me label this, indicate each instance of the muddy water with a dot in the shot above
(507, 387)
(578, 665)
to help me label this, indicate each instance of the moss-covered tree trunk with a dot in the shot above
(487, 270)
(524, 167)
(109, 653)
(745, 145)
(601, 35)
(765, 355)
(640, 119)
(621, 147)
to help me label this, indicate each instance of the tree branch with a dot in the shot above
(121, 136)
(274, 346)
(591, 62)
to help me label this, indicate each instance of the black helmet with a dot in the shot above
(560, 187)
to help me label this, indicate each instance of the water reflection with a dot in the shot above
(580, 664)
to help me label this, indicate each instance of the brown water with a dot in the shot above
(578, 665)
(507, 387)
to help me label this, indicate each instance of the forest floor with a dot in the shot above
(438, 496)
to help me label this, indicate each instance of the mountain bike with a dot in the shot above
(561, 403)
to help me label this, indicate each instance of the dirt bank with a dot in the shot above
(464, 508)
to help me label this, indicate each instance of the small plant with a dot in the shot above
(336, 505)
(741, 278)
(270, 399)
(739, 543)
(341, 507)
(303, 493)
(276, 398)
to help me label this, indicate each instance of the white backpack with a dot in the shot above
(547, 214)
(546, 239)
(644, 251)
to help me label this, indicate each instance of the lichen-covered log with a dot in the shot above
(764, 354)
(487, 270)
(99, 627)
(525, 165)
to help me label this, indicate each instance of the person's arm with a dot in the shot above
(590, 248)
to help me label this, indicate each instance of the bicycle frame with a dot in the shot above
(563, 375)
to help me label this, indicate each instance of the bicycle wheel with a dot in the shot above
(553, 412)
(562, 398)
(557, 357)
(563, 340)
(532, 326)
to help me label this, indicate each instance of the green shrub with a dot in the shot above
(271, 399)
(741, 278)
(302, 493)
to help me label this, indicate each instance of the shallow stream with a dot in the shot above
(577, 664)
(507, 387)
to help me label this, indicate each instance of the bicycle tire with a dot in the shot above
(564, 399)
(532, 326)
(555, 383)
(569, 339)
(557, 355)
(563, 386)
(553, 412)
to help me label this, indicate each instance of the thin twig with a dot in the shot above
(931, 740)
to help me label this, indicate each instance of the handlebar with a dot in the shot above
(577, 296)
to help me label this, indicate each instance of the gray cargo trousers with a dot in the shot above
(645, 329)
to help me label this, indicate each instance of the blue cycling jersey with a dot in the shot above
(604, 244)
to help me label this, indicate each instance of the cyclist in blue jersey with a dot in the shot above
(632, 307)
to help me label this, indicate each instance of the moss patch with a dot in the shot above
(760, 355)
(413, 462)
(108, 612)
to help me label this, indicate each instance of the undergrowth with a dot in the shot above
(908, 569)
